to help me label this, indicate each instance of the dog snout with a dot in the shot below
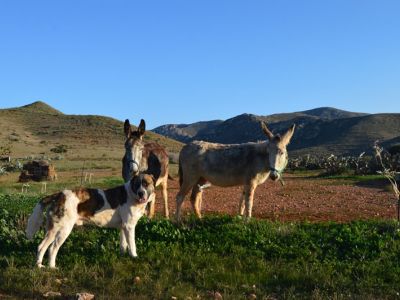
(140, 194)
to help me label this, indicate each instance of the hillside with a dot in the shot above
(347, 136)
(186, 132)
(34, 129)
(321, 131)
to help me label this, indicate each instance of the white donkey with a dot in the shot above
(248, 164)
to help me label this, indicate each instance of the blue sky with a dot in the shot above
(185, 61)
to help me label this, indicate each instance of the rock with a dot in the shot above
(51, 294)
(217, 296)
(252, 297)
(137, 280)
(84, 296)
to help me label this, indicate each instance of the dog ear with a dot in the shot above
(127, 128)
(134, 183)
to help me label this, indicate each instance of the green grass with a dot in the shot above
(355, 177)
(218, 253)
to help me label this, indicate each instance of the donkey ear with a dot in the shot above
(267, 132)
(127, 128)
(288, 135)
(142, 127)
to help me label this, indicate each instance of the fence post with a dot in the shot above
(44, 187)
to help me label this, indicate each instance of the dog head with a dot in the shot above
(142, 186)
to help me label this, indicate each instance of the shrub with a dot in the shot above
(60, 149)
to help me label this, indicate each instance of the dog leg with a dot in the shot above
(123, 243)
(42, 248)
(130, 237)
(62, 235)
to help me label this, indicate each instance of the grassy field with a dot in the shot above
(221, 254)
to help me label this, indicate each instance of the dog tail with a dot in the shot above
(36, 218)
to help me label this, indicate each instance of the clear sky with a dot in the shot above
(183, 61)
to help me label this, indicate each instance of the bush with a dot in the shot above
(59, 149)
(394, 150)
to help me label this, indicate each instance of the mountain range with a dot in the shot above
(37, 128)
(321, 131)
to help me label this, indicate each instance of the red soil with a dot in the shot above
(311, 199)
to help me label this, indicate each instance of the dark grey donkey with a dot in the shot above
(150, 158)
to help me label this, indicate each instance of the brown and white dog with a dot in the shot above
(119, 207)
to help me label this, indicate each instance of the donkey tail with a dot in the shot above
(180, 172)
(36, 218)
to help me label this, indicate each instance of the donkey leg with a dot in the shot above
(195, 199)
(151, 206)
(164, 186)
(185, 188)
(249, 197)
(242, 203)
(197, 196)
(199, 201)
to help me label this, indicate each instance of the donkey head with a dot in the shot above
(278, 156)
(133, 149)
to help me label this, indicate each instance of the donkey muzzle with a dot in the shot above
(274, 175)
(134, 167)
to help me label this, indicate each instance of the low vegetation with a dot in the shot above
(356, 165)
(217, 254)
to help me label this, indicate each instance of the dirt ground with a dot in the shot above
(301, 199)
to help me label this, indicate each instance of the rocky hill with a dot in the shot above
(321, 131)
(37, 128)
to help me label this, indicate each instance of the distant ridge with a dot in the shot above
(322, 130)
(330, 113)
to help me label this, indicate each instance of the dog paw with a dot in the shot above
(39, 265)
